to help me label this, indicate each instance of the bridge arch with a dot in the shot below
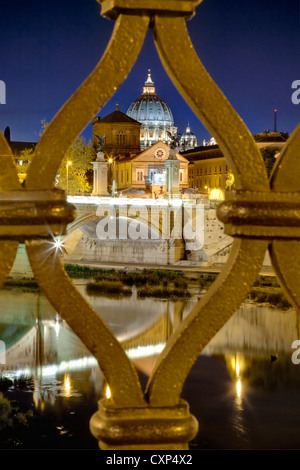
(162, 220)
(99, 227)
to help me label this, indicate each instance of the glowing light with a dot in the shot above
(107, 392)
(107, 201)
(49, 370)
(237, 369)
(54, 369)
(110, 160)
(57, 244)
(145, 351)
(217, 195)
(57, 326)
(67, 385)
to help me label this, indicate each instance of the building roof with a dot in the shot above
(202, 153)
(268, 136)
(263, 139)
(116, 116)
(17, 147)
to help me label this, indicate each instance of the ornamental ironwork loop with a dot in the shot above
(156, 417)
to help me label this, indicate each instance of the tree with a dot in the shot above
(7, 133)
(23, 162)
(26, 155)
(44, 125)
(269, 156)
(72, 174)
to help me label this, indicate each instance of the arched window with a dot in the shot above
(120, 138)
(140, 175)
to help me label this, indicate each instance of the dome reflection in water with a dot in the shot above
(243, 388)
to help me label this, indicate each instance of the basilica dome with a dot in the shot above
(154, 114)
(149, 107)
(188, 140)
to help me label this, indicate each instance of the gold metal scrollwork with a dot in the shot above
(156, 418)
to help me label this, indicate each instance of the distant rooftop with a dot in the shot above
(116, 116)
(17, 147)
(268, 136)
(213, 151)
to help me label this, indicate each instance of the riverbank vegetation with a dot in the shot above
(149, 283)
(159, 283)
(267, 290)
(26, 285)
(273, 296)
(14, 422)
(164, 292)
(166, 283)
(107, 287)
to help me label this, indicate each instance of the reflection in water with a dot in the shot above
(67, 386)
(238, 410)
(226, 389)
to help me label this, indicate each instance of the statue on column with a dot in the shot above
(172, 165)
(101, 142)
(100, 170)
(173, 140)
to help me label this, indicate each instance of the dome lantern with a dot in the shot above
(149, 87)
(154, 115)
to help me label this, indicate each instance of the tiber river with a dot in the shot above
(241, 398)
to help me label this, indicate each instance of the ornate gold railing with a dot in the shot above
(260, 215)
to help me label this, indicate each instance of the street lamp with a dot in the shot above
(110, 160)
(112, 176)
(67, 168)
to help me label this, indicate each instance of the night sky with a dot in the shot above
(251, 49)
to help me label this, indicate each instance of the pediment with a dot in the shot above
(157, 152)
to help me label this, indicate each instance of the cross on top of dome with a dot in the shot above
(149, 87)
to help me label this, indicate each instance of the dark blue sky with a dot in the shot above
(251, 48)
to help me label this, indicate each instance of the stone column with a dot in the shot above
(172, 165)
(100, 167)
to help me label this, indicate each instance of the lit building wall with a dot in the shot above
(122, 134)
(209, 175)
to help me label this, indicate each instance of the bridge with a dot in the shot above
(161, 231)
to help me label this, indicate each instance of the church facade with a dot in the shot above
(137, 144)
